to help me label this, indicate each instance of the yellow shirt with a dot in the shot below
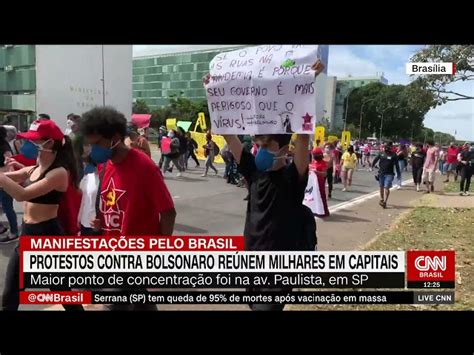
(350, 160)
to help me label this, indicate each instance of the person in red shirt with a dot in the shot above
(452, 161)
(128, 203)
(319, 167)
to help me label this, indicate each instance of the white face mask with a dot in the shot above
(70, 123)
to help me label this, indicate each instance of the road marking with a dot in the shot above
(360, 199)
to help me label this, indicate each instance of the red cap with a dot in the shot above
(43, 129)
(317, 150)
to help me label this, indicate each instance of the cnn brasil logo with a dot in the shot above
(433, 265)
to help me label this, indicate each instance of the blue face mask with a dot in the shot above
(29, 150)
(264, 159)
(100, 154)
(89, 169)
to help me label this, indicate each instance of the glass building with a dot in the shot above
(17, 84)
(157, 77)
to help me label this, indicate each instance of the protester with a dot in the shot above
(191, 147)
(89, 186)
(45, 185)
(183, 147)
(161, 133)
(73, 122)
(330, 167)
(128, 203)
(451, 161)
(43, 116)
(5, 198)
(367, 149)
(466, 161)
(442, 161)
(337, 154)
(276, 218)
(429, 167)
(14, 143)
(172, 145)
(388, 164)
(417, 161)
(225, 154)
(402, 156)
(139, 142)
(210, 151)
(318, 167)
(358, 152)
(348, 164)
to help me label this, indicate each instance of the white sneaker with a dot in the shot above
(398, 187)
(344, 190)
(203, 175)
(418, 187)
(467, 193)
(178, 175)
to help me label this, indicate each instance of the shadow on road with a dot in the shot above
(188, 229)
(7, 249)
(183, 178)
(344, 218)
(396, 207)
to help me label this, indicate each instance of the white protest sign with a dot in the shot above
(266, 89)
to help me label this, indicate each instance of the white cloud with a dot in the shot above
(343, 62)
(145, 50)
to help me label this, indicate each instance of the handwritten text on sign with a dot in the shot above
(263, 90)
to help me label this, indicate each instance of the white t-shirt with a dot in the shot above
(88, 186)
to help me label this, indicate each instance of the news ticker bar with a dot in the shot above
(328, 298)
(214, 280)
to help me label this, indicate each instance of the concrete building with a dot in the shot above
(343, 88)
(63, 79)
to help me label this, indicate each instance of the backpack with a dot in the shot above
(166, 145)
(216, 149)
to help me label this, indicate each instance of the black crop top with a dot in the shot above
(51, 198)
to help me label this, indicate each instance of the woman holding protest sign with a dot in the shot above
(45, 184)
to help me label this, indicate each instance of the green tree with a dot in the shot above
(463, 58)
(140, 106)
(403, 108)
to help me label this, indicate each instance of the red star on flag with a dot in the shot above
(307, 122)
(109, 198)
(307, 118)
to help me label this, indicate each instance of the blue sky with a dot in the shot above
(367, 60)
(359, 60)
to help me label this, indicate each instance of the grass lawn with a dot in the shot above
(428, 228)
(454, 186)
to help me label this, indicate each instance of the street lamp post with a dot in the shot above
(103, 77)
(347, 105)
(360, 123)
(381, 121)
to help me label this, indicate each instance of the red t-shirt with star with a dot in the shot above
(132, 196)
